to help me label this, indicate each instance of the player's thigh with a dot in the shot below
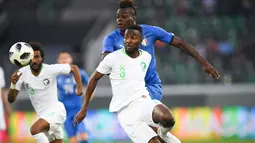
(142, 133)
(41, 125)
(81, 129)
(155, 140)
(69, 128)
(155, 91)
(148, 107)
(73, 139)
(56, 122)
(138, 131)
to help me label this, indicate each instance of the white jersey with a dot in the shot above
(2, 85)
(126, 75)
(42, 89)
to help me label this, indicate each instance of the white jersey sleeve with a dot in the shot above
(2, 79)
(59, 69)
(105, 66)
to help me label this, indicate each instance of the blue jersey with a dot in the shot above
(151, 34)
(67, 91)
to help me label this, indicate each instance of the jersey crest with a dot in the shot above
(145, 42)
(143, 66)
(46, 82)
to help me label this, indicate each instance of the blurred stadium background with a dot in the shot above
(206, 111)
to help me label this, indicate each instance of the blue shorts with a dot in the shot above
(71, 130)
(155, 91)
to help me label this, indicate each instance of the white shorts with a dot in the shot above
(136, 118)
(56, 119)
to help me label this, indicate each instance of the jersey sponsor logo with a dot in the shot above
(145, 42)
(46, 82)
(143, 66)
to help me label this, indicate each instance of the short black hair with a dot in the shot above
(37, 47)
(127, 4)
(136, 27)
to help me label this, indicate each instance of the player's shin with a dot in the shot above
(41, 138)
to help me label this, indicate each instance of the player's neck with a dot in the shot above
(37, 71)
(132, 54)
(122, 32)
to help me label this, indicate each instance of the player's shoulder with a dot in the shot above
(146, 26)
(116, 53)
(48, 66)
(113, 34)
(150, 28)
(145, 53)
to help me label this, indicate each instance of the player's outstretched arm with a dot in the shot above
(77, 77)
(189, 49)
(12, 93)
(90, 90)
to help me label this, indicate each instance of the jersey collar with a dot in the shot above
(124, 51)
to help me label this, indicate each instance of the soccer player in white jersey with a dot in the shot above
(39, 80)
(135, 109)
(3, 104)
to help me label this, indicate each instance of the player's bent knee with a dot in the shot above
(168, 120)
(154, 140)
(84, 136)
(73, 139)
(34, 130)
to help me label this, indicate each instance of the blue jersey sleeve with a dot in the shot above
(84, 77)
(108, 44)
(162, 35)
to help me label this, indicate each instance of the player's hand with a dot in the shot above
(79, 90)
(80, 116)
(15, 77)
(211, 71)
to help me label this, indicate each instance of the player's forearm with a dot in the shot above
(89, 92)
(6, 104)
(77, 76)
(191, 50)
(12, 95)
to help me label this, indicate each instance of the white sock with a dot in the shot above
(41, 138)
(164, 130)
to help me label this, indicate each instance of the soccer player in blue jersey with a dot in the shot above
(126, 16)
(72, 102)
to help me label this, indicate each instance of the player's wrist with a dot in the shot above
(13, 85)
(205, 63)
(84, 108)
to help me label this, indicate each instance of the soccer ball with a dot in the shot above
(21, 54)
